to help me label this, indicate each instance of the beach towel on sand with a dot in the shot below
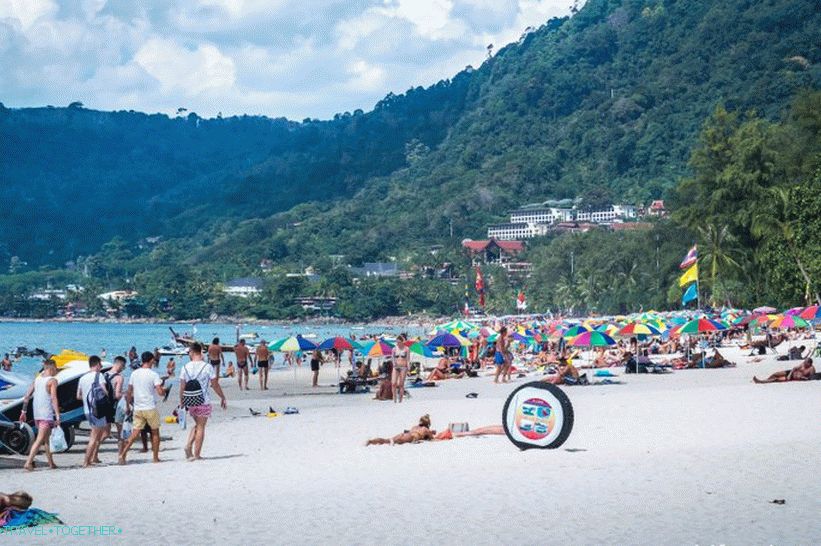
(12, 519)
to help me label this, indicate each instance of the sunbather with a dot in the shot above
(803, 372)
(19, 500)
(565, 369)
(418, 433)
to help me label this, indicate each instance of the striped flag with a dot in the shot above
(480, 286)
(690, 258)
(691, 275)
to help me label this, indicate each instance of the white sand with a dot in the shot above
(692, 457)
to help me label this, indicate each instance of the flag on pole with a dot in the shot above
(521, 302)
(480, 286)
(690, 259)
(691, 275)
(690, 294)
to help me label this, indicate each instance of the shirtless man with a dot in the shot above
(803, 372)
(6, 364)
(215, 356)
(263, 357)
(243, 354)
(501, 355)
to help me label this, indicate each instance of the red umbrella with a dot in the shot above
(811, 313)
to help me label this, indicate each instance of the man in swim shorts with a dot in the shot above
(215, 356)
(243, 354)
(803, 372)
(263, 357)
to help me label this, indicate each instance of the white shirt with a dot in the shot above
(202, 372)
(144, 382)
(43, 410)
(84, 388)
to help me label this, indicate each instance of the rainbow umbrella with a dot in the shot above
(339, 343)
(377, 349)
(574, 331)
(811, 313)
(699, 326)
(422, 349)
(459, 325)
(592, 339)
(445, 339)
(789, 321)
(293, 344)
(639, 329)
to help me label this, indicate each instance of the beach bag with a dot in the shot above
(57, 441)
(127, 428)
(193, 394)
(99, 401)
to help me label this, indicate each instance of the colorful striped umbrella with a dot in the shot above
(339, 343)
(574, 331)
(377, 349)
(639, 329)
(592, 339)
(699, 326)
(811, 313)
(783, 322)
(292, 344)
(445, 339)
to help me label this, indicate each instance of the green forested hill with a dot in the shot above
(609, 103)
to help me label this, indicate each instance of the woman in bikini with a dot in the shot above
(401, 357)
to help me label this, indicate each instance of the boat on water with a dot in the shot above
(17, 437)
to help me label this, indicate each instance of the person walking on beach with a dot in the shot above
(316, 361)
(263, 356)
(401, 358)
(501, 355)
(202, 373)
(143, 387)
(243, 353)
(46, 412)
(215, 356)
(94, 393)
(114, 378)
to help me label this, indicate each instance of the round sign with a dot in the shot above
(538, 415)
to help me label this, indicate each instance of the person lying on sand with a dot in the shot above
(422, 432)
(566, 369)
(803, 372)
(19, 500)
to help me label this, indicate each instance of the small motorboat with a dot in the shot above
(17, 437)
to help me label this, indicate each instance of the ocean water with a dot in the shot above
(91, 338)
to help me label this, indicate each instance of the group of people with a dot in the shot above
(107, 400)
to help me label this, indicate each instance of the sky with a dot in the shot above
(298, 59)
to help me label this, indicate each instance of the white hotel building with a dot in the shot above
(536, 221)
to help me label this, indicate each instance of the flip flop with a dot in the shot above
(472, 395)
(291, 411)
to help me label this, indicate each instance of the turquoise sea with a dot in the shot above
(91, 338)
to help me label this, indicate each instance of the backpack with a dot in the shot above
(99, 401)
(193, 394)
(109, 384)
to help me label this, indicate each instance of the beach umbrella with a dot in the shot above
(574, 331)
(764, 310)
(377, 349)
(459, 325)
(811, 313)
(421, 349)
(445, 339)
(794, 311)
(592, 339)
(639, 329)
(292, 344)
(787, 321)
(339, 343)
(700, 326)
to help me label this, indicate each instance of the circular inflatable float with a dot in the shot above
(538, 415)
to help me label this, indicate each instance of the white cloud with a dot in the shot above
(274, 57)
(191, 72)
(27, 12)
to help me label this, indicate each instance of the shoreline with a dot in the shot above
(385, 322)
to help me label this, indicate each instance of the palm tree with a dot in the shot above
(776, 224)
(720, 250)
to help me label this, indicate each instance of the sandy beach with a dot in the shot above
(692, 457)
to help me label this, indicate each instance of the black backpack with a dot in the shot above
(100, 400)
(193, 395)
